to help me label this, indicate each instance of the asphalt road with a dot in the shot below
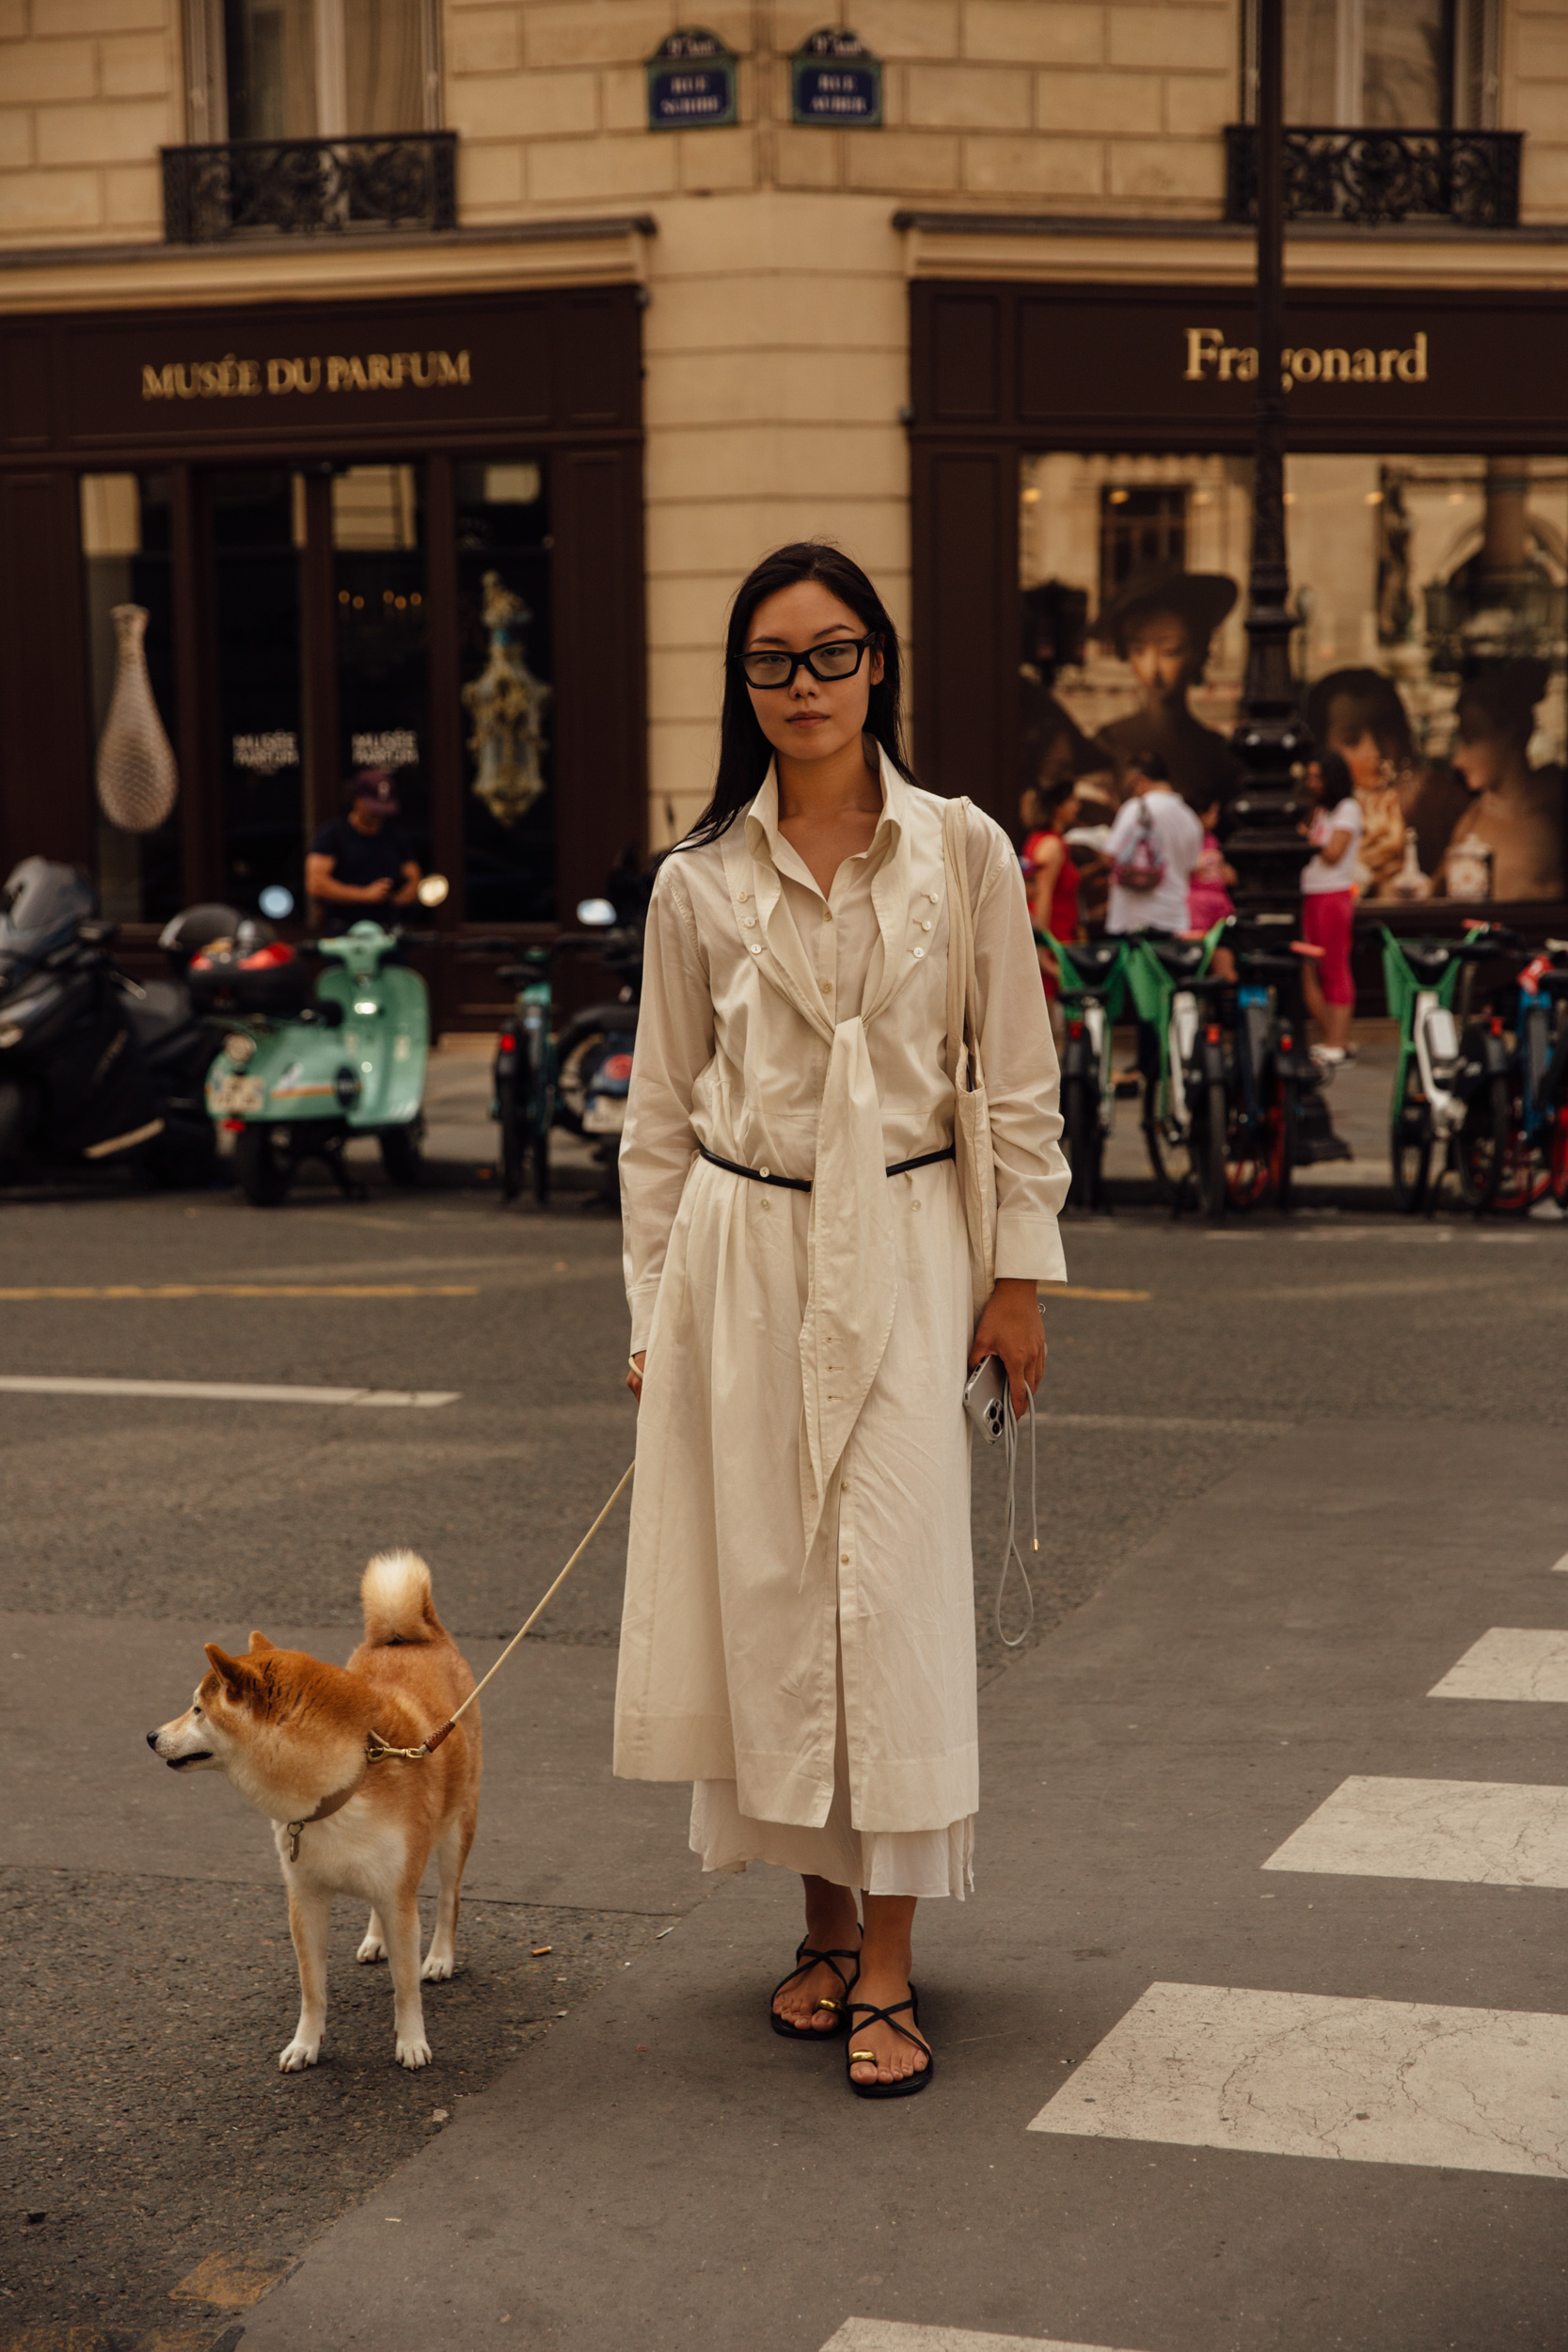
(1357, 1362)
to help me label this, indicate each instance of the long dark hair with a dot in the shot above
(744, 751)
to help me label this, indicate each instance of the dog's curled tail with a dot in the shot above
(395, 1591)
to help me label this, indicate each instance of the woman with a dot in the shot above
(1328, 903)
(1517, 811)
(1049, 875)
(798, 1635)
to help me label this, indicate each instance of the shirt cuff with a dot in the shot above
(642, 1300)
(1028, 1248)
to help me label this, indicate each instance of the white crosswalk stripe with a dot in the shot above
(1485, 1832)
(896, 2335)
(1312, 2075)
(1509, 1662)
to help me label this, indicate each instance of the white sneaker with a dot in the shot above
(1328, 1057)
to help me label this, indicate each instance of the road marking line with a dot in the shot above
(225, 1391)
(1075, 1290)
(1481, 1833)
(1161, 1420)
(1314, 2074)
(1560, 1567)
(897, 2335)
(1509, 1662)
(249, 1290)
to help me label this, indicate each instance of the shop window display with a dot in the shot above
(256, 518)
(125, 560)
(1432, 603)
(383, 636)
(503, 581)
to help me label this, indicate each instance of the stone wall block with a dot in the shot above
(48, 204)
(482, 40)
(712, 161)
(624, 98)
(775, 384)
(524, 105)
(489, 173)
(1021, 32)
(1188, 39)
(808, 158)
(47, 69)
(136, 65)
(591, 171)
(967, 98)
(1163, 170)
(131, 131)
(16, 138)
(1120, 103)
(1541, 110)
(1198, 105)
(1034, 167)
(908, 28)
(594, 32)
(790, 305)
(1544, 192)
(62, 17)
(133, 196)
(712, 461)
(899, 162)
(1541, 43)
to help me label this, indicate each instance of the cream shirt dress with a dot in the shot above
(799, 1631)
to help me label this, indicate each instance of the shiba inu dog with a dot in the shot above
(298, 1739)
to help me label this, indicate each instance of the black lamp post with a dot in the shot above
(1262, 841)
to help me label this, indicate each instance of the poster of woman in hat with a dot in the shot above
(1161, 623)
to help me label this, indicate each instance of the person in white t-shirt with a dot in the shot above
(1328, 902)
(1154, 845)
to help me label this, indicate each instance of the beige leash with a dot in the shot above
(429, 1746)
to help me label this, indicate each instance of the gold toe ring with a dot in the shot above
(863, 2057)
(826, 2004)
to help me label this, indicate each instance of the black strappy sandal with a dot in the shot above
(806, 1958)
(911, 2083)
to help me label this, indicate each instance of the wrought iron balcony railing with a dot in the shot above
(1376, 178)
(309, 187)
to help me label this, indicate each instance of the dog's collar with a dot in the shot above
(376, 1749)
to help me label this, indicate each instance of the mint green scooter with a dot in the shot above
(302, 1072)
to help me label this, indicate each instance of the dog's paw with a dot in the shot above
(371, 1949)
(439, 1966)
(414, 2054)
(298, 2056)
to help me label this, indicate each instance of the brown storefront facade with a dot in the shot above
(337, 518)
(1071, 440)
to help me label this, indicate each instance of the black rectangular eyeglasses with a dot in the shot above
(839, 659)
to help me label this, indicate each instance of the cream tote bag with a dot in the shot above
(971, 1123)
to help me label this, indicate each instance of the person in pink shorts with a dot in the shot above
(1328, 903)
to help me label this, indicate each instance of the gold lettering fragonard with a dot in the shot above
(1212, 360)
(232, 378)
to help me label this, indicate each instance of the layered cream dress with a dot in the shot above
(799, 1631)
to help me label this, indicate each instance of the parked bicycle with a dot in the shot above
(1450, 1099)
(1162, 974)
(1254, 1093)
(577, 1078)
(1093, 982)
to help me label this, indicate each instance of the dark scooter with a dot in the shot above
(94, 1066)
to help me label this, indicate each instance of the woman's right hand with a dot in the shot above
(634, 1374)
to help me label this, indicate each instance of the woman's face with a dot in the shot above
(1161, 658)
(1481, 759)
(1358, 747)
(812, 718)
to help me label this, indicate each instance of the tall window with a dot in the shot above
(1411, 65)
(303, 69)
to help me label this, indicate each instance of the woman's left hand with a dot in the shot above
(1010, 1327)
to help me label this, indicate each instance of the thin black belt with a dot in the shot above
(802, 1183)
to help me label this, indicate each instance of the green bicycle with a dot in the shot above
(1161, 974)
(1093, 980)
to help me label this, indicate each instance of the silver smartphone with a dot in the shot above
(986, 1394)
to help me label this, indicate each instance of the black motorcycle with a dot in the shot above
(94, 1066)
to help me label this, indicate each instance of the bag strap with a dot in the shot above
(963, 983)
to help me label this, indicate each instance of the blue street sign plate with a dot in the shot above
(835, 79)
(691, 83)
